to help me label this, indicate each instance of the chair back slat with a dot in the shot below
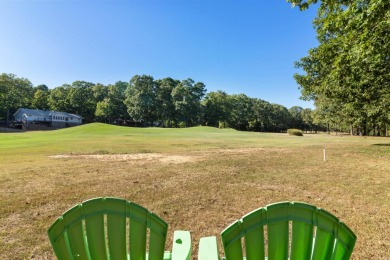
(94, 226)
(302, 218)
(254, 236)
(340, 252)
(294, 231)
(75, 236)
(231, 240)
(278, 234)
(97, 229)
(59, 239)
(345, 242)
(157, 237)
(116, 228)
(323, 245)
(302, 240)
(61, 247)
(138, 225)
(278, 240)
(325, 235)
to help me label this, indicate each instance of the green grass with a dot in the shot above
(225, 174)
(91, 137)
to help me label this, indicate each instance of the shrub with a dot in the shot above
(222, 124)
(296, 132)
(182, 124)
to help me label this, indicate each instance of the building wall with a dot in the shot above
(30, 119)
(35, 127)
(58, 124)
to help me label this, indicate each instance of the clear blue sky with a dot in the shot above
(236, 46)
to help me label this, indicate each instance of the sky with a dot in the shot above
(237, 46)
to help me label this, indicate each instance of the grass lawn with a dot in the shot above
(199, 179)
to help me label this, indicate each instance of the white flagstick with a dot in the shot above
(324, 154)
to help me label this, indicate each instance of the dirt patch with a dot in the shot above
(251, 150)
(164, 158)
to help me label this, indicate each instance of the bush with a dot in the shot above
(296, 132)
(182, 124)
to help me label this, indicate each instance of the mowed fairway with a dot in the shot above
(199, 179)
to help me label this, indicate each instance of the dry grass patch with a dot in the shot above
(144, 157)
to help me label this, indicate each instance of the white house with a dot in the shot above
(50, 118)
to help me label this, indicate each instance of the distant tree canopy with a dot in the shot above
(348, 74)
(167, 102)
(144, 101)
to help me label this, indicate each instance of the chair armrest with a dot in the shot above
(181, 248)
(208, 248)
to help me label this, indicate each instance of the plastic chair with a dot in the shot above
(290, 230)
(112, 228)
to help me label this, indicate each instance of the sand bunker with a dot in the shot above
(130, 157)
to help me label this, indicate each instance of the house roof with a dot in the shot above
(37, 112)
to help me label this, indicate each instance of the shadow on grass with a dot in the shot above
(382, 144)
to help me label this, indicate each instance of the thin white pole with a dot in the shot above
(324, 154)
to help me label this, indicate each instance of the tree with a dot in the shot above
(41, 97)
(296, 117)
(164, 100)
(216, 109)
(103, 112)
(198, 91)
(59, 99)
(15, 93)
(116, 98)
(112, 107)
(42, 87)
(81, 99)
(262, 113)
(186, 97)
(351, 65)
(141, 99)
(280, 118)
(307, 120)
(241, 111)
(100, 92)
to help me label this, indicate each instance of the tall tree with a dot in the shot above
(81, 99)
(141, 99)
(41, 97)
(280, 118)
(42, 87)
(241, 111)
(262, 113)
(307, 120)
(100, 92)
(351, 65)
(59, 99)
(112, 107)
(187, 96)
(15, 93)
(116, 97)
(216, 109)
(164, 100)
(296, 117)
(40, 100)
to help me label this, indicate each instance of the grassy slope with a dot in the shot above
(95, 138)
(234, 173)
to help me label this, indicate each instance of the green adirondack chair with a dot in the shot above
(112, 228)
(290, 230)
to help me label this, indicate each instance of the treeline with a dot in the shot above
(167, 102)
